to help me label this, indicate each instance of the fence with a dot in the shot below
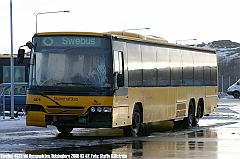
(225, 81)
(2, 105)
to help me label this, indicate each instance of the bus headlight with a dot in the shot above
(99, 109)
(93, 109)
(107, 109)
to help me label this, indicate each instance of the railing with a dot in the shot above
(2, 104)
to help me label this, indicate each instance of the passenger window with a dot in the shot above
(22, 90)
(16, 91)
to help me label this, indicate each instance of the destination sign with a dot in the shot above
(71, 41)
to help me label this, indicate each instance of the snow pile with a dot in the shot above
(225, 48)
(228, 55)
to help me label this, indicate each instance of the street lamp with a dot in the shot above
(12, 64)
(184, 40)
(135, 29)
(66, 11)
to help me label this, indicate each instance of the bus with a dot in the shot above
(117, 80)
(20, 70)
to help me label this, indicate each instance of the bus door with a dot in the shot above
(120, 103)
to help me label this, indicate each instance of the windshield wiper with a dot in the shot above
(83, 84)
(70, 48)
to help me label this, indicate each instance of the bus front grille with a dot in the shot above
(65, 109)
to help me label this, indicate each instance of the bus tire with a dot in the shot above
(198, 115)
(133, 129)
(64, 130)
(188, 121)
(143, 130)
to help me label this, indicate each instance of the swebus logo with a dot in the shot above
(78, 41)
(47, 41)
(95, 102)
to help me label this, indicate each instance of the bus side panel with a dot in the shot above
(212, 90)
(172, 98)
(120, 116)
(155, 104)
(135, 95)
(159, 103)
(181, 108)
(120, 111)
(211, 100)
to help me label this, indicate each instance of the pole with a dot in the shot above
(12, 64)
(222, 83)
(36, 22)
(4, 103)
(229, 80)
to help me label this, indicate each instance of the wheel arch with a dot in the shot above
(236, 91)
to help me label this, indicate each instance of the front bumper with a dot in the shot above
(36, 118)
(95, 117)
(91, 120)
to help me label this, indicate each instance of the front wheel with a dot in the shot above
(136, 123)
(64, 130)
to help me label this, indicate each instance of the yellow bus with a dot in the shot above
(117, 80)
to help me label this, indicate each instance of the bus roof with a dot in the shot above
(72, 33)
(110, 33)
(131, 37)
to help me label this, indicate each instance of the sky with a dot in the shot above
(182, 20)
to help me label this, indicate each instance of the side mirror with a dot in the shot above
(20, 56)
(238, 83)
(120, 80)
(29, 45)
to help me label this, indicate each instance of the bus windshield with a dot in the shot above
(73, 64)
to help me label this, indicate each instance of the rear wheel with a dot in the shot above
(198, 115)
(188, 121)
(64, 130)
(236, 95)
